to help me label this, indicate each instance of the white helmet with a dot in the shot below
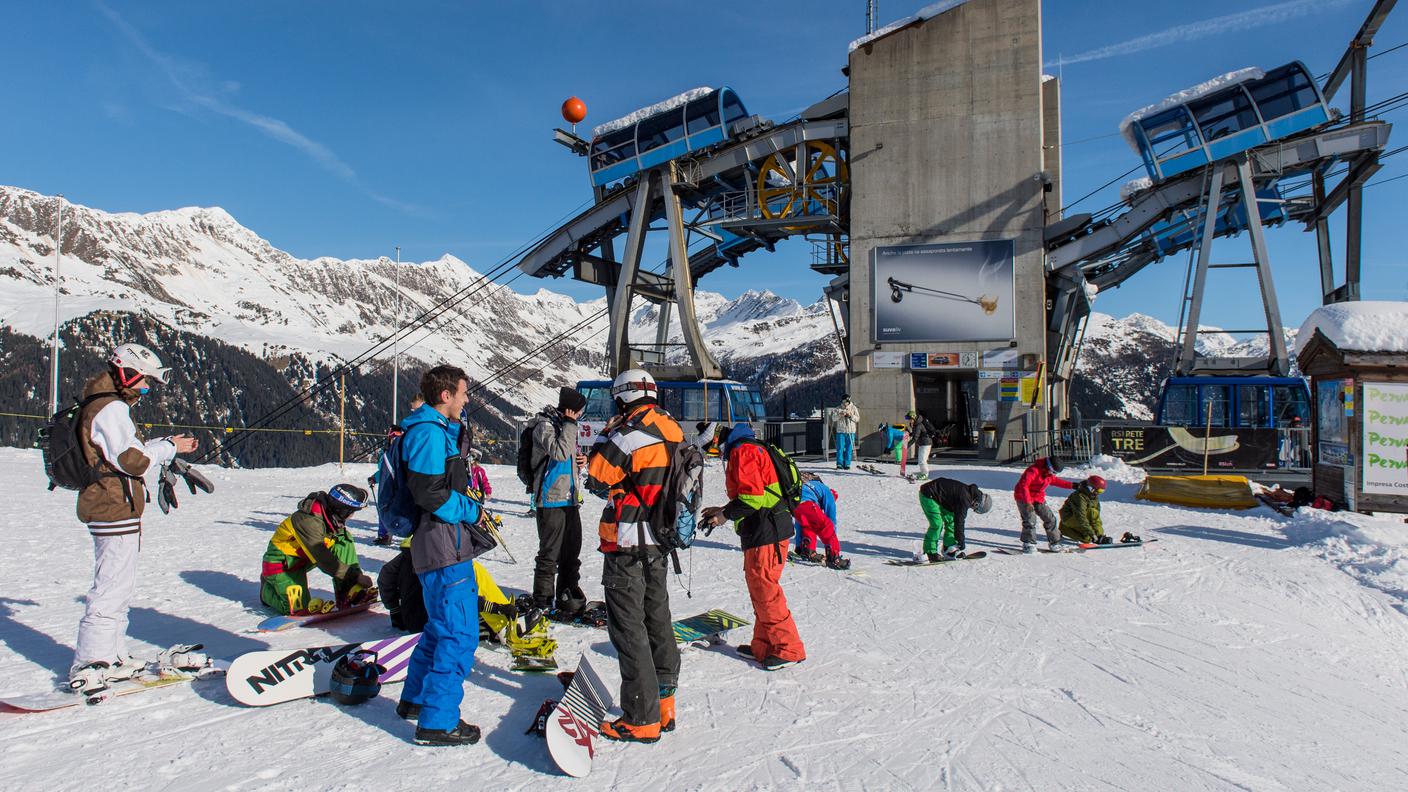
(632, 385)
(141, 360)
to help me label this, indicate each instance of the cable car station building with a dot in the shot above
(955, 174)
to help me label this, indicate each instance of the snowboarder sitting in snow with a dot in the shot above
(815, 519)
(315, 535)
(1080, 514)
(896, 438)
(1030, 495)
(478, 479)
(945, 503)
(401, 592)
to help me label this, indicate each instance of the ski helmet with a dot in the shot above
(708, 434)
(984, 504)
(357, 677)
(1054, 465)
(345, 499)
(632, 385)
(1095, 483)
(475, 454)
(141, 361)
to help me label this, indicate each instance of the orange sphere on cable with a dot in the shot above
(574, 110)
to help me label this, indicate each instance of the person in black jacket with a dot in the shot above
(921, 439)
(946, 502)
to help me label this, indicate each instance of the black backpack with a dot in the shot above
(789, 479)
(64, 461)
(526, 471)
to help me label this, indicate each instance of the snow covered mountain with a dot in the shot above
(194, 278)
(214, 296)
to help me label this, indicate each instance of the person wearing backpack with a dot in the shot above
(629, 464)
(555, 463)
(921, 439)
(760, 507)
(434, 476)
(111, 501)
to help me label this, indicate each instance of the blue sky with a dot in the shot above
(346, 128)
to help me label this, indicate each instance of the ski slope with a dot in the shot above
(1242, 651)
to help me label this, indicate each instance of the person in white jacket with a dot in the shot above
(112, 507)
(846, 420)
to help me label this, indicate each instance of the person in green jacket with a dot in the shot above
(1080, 514)
(315, 536)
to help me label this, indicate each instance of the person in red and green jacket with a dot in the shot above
(1030, 494)
(764, 529)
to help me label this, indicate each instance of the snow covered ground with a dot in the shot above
(1242, 651)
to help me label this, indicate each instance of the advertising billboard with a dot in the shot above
(1385, 423)
(954, 291)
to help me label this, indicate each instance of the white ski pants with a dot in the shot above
(102, 633)
(921, 454)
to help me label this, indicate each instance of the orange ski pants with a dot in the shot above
(774, 631)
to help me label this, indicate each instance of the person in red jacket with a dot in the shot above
(1030, 495)
(764, 529)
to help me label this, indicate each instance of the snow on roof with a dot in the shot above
(1186, 95)
(1365, 326)
(672, 103)
(1133, 186)
(927, 12)
(1046, 78)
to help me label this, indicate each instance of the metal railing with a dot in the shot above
(1073, 446)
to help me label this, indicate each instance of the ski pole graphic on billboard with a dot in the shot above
(954, 291)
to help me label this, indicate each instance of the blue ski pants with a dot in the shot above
(445, 654)
(845, 448)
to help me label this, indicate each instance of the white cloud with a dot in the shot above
(187, 80)
(1255, 18)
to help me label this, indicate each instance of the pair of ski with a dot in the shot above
(577, 718)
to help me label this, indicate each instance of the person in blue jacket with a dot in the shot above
(437, 476)
(896, 438)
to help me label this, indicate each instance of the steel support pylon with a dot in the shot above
(1277, 362)
(704, 365)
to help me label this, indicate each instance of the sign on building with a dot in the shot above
(954, 291)
(1385, 446)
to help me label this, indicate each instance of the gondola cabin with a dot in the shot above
(1236, 402)
(655, 135)
(1223, 117)
(689, 402)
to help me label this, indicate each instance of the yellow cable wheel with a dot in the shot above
(824, 177)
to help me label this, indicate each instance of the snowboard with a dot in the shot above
(281, 623)
(274, 676)
(1091, 546)
(576, 720)
(61, 699)
(927, 562)
(707, 627)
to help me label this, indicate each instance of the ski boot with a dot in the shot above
(627, 732)
(383, 541)
(88, 679)
(837, 562)
(955, 552)
(1129, 538)
(462, 734)
(667, 709)
(812, 557)
(182, 657)
(1028, 547)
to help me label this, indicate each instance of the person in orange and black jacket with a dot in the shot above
(764, 528)
(628, 464)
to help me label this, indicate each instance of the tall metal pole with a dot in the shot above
(54, 342)
(396, 347)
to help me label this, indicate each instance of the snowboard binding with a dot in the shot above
(1129, 538)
